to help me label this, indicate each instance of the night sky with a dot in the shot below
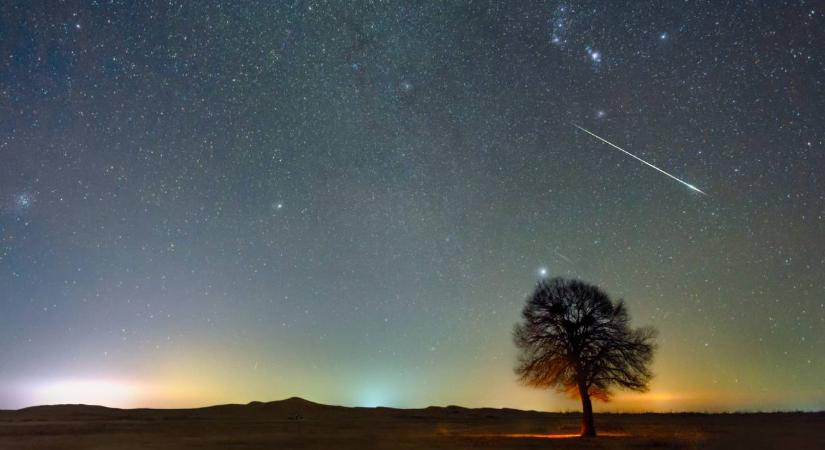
(350, 201)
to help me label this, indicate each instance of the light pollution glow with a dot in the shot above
(196, 385)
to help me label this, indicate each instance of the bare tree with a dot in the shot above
(574, 338)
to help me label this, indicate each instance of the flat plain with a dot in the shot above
(299, 424)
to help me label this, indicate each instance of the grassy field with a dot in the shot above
(298, 424)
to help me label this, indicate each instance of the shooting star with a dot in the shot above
(690, 186)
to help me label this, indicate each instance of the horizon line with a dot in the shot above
(572, 411)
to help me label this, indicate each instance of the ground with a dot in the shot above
(299, 424)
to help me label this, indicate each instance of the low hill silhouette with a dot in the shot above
(293, 408)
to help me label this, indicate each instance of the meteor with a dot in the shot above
(690, 186)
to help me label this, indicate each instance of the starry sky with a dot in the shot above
(226, 201)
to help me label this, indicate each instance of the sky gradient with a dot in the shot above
(349, 202)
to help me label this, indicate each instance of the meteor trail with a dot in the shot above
(690, 186)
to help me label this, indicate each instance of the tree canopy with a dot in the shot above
(574, 338)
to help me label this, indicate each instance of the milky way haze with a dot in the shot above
(206, 202)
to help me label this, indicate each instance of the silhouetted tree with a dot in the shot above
(574, 338)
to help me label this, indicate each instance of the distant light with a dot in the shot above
(663, 36)
(88, 391)
(543, 272)
(374, 396)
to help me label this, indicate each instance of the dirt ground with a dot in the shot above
(298, 424)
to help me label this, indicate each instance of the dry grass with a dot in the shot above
(296, 424)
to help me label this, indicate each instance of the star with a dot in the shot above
(595, 55)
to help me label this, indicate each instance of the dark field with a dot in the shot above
(298, 424)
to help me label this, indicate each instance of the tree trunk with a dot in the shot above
(588, 427)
